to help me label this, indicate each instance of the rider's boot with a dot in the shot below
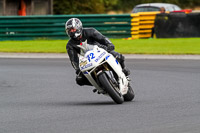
(125, 70)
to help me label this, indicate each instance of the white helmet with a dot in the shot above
(74, 23)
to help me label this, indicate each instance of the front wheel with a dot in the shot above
(130, 94)
(110, 88)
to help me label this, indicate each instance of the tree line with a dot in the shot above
(103, 6)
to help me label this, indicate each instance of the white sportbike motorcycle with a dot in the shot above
(105, 73)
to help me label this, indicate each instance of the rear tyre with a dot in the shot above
(110, 88)
(130, 94)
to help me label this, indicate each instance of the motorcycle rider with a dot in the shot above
(78, 34)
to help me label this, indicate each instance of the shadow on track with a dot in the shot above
(61, 103)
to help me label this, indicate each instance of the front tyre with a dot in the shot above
(130, 94)
(110, 88)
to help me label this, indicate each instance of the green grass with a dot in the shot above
(34, 46)
(159, 46)
(140, 46)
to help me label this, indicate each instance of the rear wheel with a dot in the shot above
(111, 89)
(130, 94)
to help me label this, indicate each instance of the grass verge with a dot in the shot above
(140, 46)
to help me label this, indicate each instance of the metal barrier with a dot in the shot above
(53, 26)
(142, 24)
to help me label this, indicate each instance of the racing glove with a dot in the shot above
(103, 46)
(110, 47)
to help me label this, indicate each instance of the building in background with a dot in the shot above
(25, 7)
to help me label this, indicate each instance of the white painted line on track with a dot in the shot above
(127, 56)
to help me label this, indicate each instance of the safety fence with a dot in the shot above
(142, 24)
(131, 26)
(53, 26)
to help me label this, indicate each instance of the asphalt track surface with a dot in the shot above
(40, 96)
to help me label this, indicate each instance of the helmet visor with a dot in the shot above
(70, 30)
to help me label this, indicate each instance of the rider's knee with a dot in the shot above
(122, 57)
(82, 80)
(79, 80)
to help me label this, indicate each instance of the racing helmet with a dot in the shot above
(73, 28)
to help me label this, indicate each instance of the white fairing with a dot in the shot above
(92, 57)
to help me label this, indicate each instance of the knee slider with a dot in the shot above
(79, 80)
(122, 57)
